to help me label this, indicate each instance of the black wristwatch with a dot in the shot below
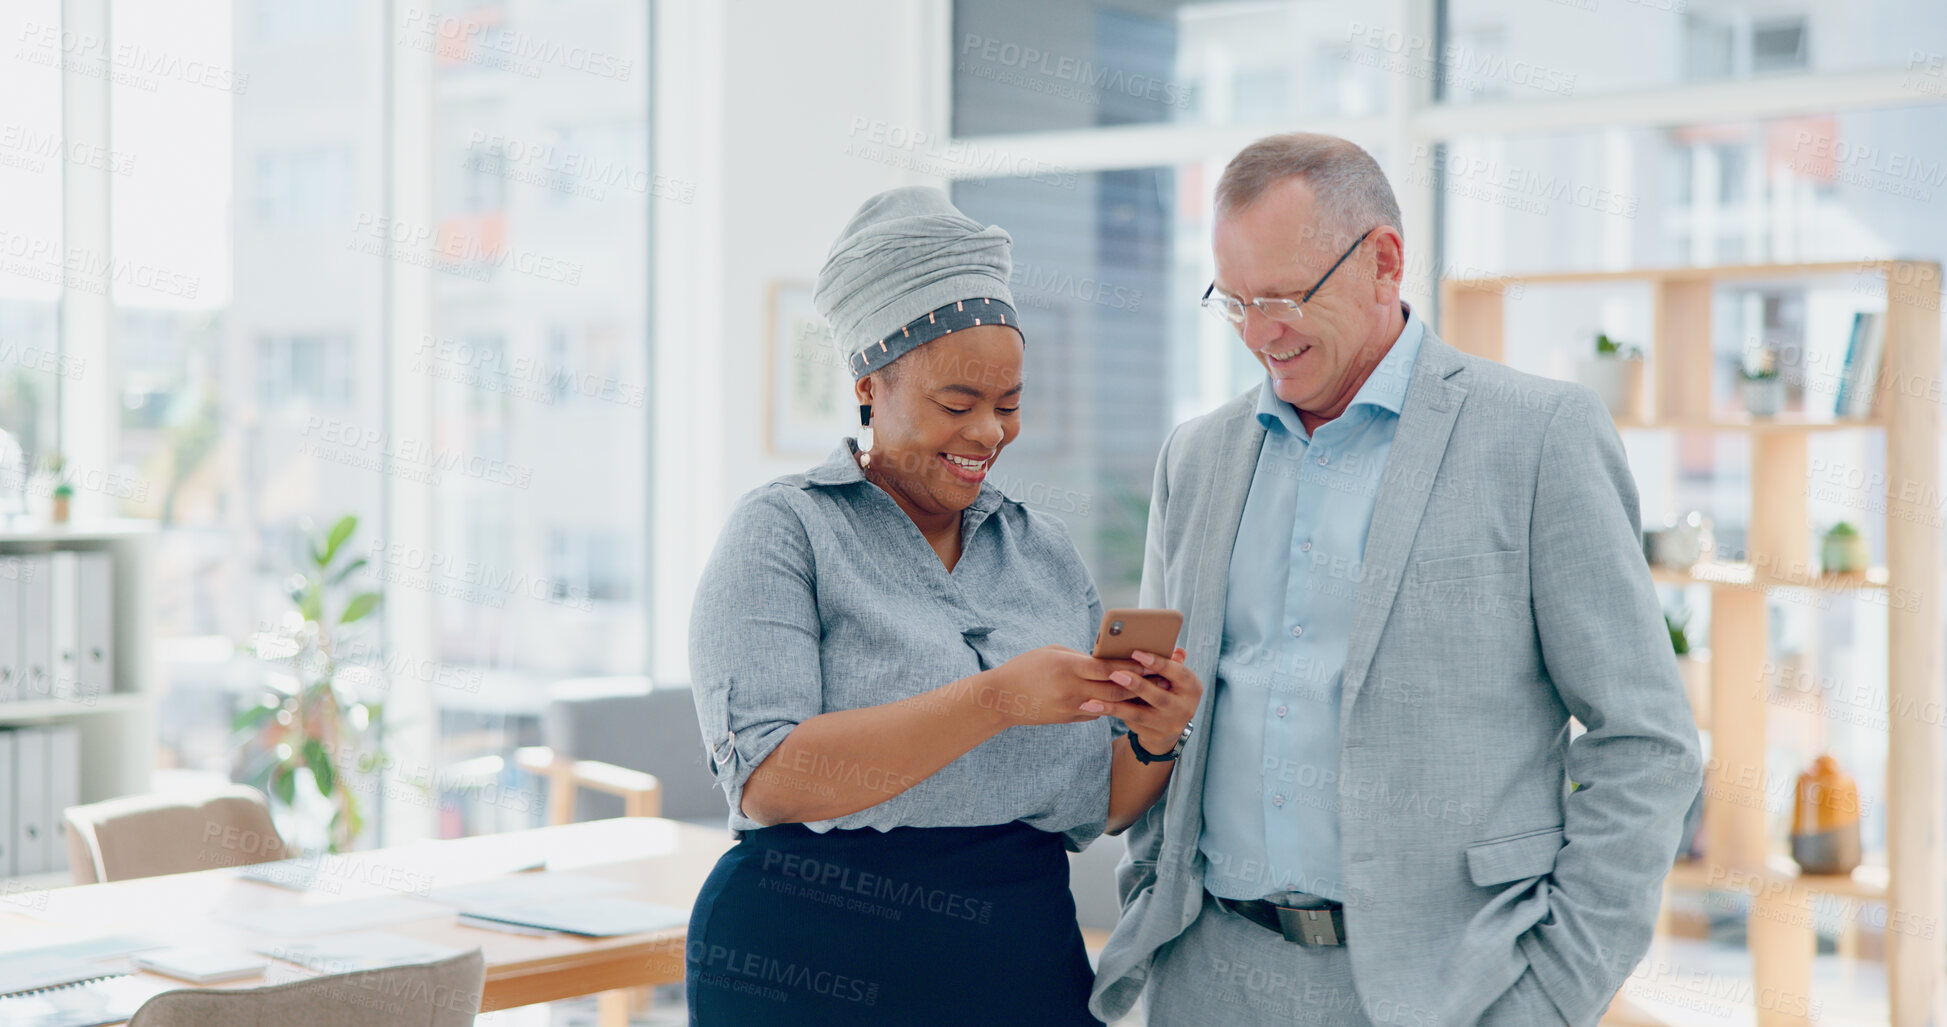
(1145, 756)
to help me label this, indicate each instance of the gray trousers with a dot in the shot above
(1225, 971)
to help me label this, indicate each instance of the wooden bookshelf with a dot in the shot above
(1738, 855)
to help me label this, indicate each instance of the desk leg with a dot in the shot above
(612, 1008)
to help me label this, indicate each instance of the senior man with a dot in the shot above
(1404, 568)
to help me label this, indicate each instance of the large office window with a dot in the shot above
(537, 361)
(1025, 66)
(253, 357)
(1517, 50)
(32, 158)
(241, 334)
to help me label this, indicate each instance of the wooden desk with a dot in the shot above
(661, 861)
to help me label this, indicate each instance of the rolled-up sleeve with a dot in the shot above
(754, 633)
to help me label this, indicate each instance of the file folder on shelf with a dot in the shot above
(11, 568)
(31, 823)
(63, 790)
(36, 629)
(9, 788)
(95, 623)
(64, 566)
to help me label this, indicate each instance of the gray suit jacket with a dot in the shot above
(1503, 590)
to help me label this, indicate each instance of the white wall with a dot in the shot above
(773, 185)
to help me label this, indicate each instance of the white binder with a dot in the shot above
(9, 786)
(63, 790)
(11, 568)
(95, 623)
(36, 629)
(30, 800)
(64, 602)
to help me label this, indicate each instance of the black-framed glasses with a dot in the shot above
(1286, 311)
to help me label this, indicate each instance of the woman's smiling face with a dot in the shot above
(942, 416)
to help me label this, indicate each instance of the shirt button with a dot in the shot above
(1297, 630)
(1277, 800)
(1324, 461)
(1280, 711)
(1305, 547)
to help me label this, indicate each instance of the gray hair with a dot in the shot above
(1351, 192)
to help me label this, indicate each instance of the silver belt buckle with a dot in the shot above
(1308, 926)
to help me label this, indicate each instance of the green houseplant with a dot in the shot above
(294, 742)
(1616, 375)
(1678, 625)
(1695, 670)
(1693, 665)
(63, 489)
(1844, 550)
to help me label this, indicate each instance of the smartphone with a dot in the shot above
(1124, 631)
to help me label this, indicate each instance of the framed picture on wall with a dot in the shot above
(809, 403)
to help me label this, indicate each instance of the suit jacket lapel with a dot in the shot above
(1419, 443)
(1228, 485)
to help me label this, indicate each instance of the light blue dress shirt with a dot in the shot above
(1271, 800)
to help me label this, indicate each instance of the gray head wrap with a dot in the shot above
(907, 269)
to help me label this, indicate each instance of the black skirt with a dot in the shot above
(917, 925)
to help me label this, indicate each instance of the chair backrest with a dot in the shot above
(442, 994)
(149, 835)
(630, 723)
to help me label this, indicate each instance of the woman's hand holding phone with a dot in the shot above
(1164, 696)
(1053, 684)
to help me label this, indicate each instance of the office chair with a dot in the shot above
(626, 734)
(441, 994)
(150, 835)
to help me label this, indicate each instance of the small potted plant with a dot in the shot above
(63, 490)
(1694, 666)
(1844, 550)
(1695, 670)
(1763, 389)
(1616, 375)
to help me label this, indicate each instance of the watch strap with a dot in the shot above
(1145, 756)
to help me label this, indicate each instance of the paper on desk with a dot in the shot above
(596, 916)
(545, 887)
(55, 965)
(299, 874)
(333, 917)
(358, 950)
(88, 1005)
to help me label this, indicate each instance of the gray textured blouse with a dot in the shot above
(823, 595)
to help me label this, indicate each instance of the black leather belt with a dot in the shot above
(1320, 925)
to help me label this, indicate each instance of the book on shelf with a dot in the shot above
(1859, 382)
